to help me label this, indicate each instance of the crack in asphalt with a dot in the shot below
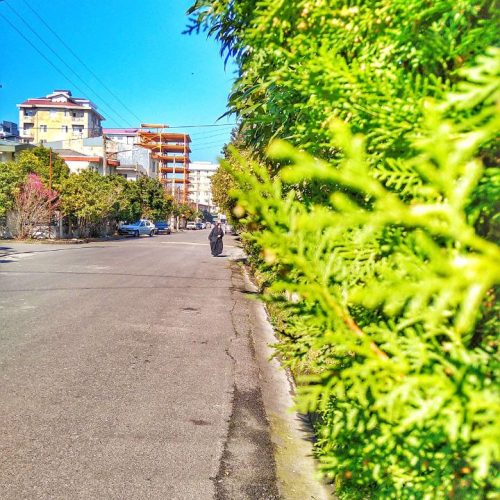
(247, 468)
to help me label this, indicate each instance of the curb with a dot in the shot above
(291, 433)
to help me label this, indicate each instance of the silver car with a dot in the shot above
(142, 226)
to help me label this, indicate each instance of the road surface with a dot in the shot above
(127, 372)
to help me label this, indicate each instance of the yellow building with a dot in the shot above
(58, 116)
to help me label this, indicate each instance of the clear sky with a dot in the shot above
(135, 48)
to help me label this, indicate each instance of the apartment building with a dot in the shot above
(58, 116)
(200, 189)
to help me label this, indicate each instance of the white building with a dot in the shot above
(200, 189)
(135, 161)
(84, 154)
(123, 157)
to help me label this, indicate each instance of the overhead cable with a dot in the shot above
(82, 62)
(62, 61)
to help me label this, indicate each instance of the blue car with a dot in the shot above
(162, 227)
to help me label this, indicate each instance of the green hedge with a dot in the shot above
(375, 226)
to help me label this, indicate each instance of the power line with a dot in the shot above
(131, 127)
(203, 137)
(82, 62)
(203, 140)
(63, 62)
(200, 126)
(42, 54)
(195, 147)
(205, 148)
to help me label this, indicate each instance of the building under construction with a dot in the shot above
(172, 153)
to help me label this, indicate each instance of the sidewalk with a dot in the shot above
(290, 433)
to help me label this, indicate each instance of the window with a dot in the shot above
(64, 129)
(77, 114)
(28, 126)
(78, 129)
(53, 113)
(43, 128)
(29, 112)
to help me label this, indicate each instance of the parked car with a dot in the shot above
(191, 225)
(142, 226)
(162, 227)
(199, 225)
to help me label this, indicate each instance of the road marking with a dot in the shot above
(191, 243)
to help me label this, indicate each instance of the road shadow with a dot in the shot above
(6, 254)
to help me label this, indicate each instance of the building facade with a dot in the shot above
(122, 144)
(9, 131)
(84, 154)
(200, 188)
(58, 116)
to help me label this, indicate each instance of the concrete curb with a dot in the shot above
(291, 434)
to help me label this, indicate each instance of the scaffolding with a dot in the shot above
(172, 153)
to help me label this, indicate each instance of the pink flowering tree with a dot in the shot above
(34, 205)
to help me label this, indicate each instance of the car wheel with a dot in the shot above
(136, 234)
(151, 233)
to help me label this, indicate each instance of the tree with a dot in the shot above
(33, 161)
(148, 198)
(38, 160)
(34, 204)
(91, 200)
(11, 178)
(186, 211)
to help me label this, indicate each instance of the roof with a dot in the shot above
(120, 131)
(68, 102)
(13, 146)
(48, 102)
(68, 152)
(72, 155)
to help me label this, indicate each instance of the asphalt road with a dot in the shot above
(127, 372)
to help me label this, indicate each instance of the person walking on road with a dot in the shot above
(215, 237)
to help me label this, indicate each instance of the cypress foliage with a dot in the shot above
(376, 207)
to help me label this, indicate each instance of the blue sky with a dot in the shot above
(136, 48)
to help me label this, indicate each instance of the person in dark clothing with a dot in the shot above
(215, 237)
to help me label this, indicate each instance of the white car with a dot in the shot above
(191, 225)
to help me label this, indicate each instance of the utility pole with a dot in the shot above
(50, 189)
(160, 160)
(104, 155)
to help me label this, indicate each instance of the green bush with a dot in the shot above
(392, 304)
(374, 226)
